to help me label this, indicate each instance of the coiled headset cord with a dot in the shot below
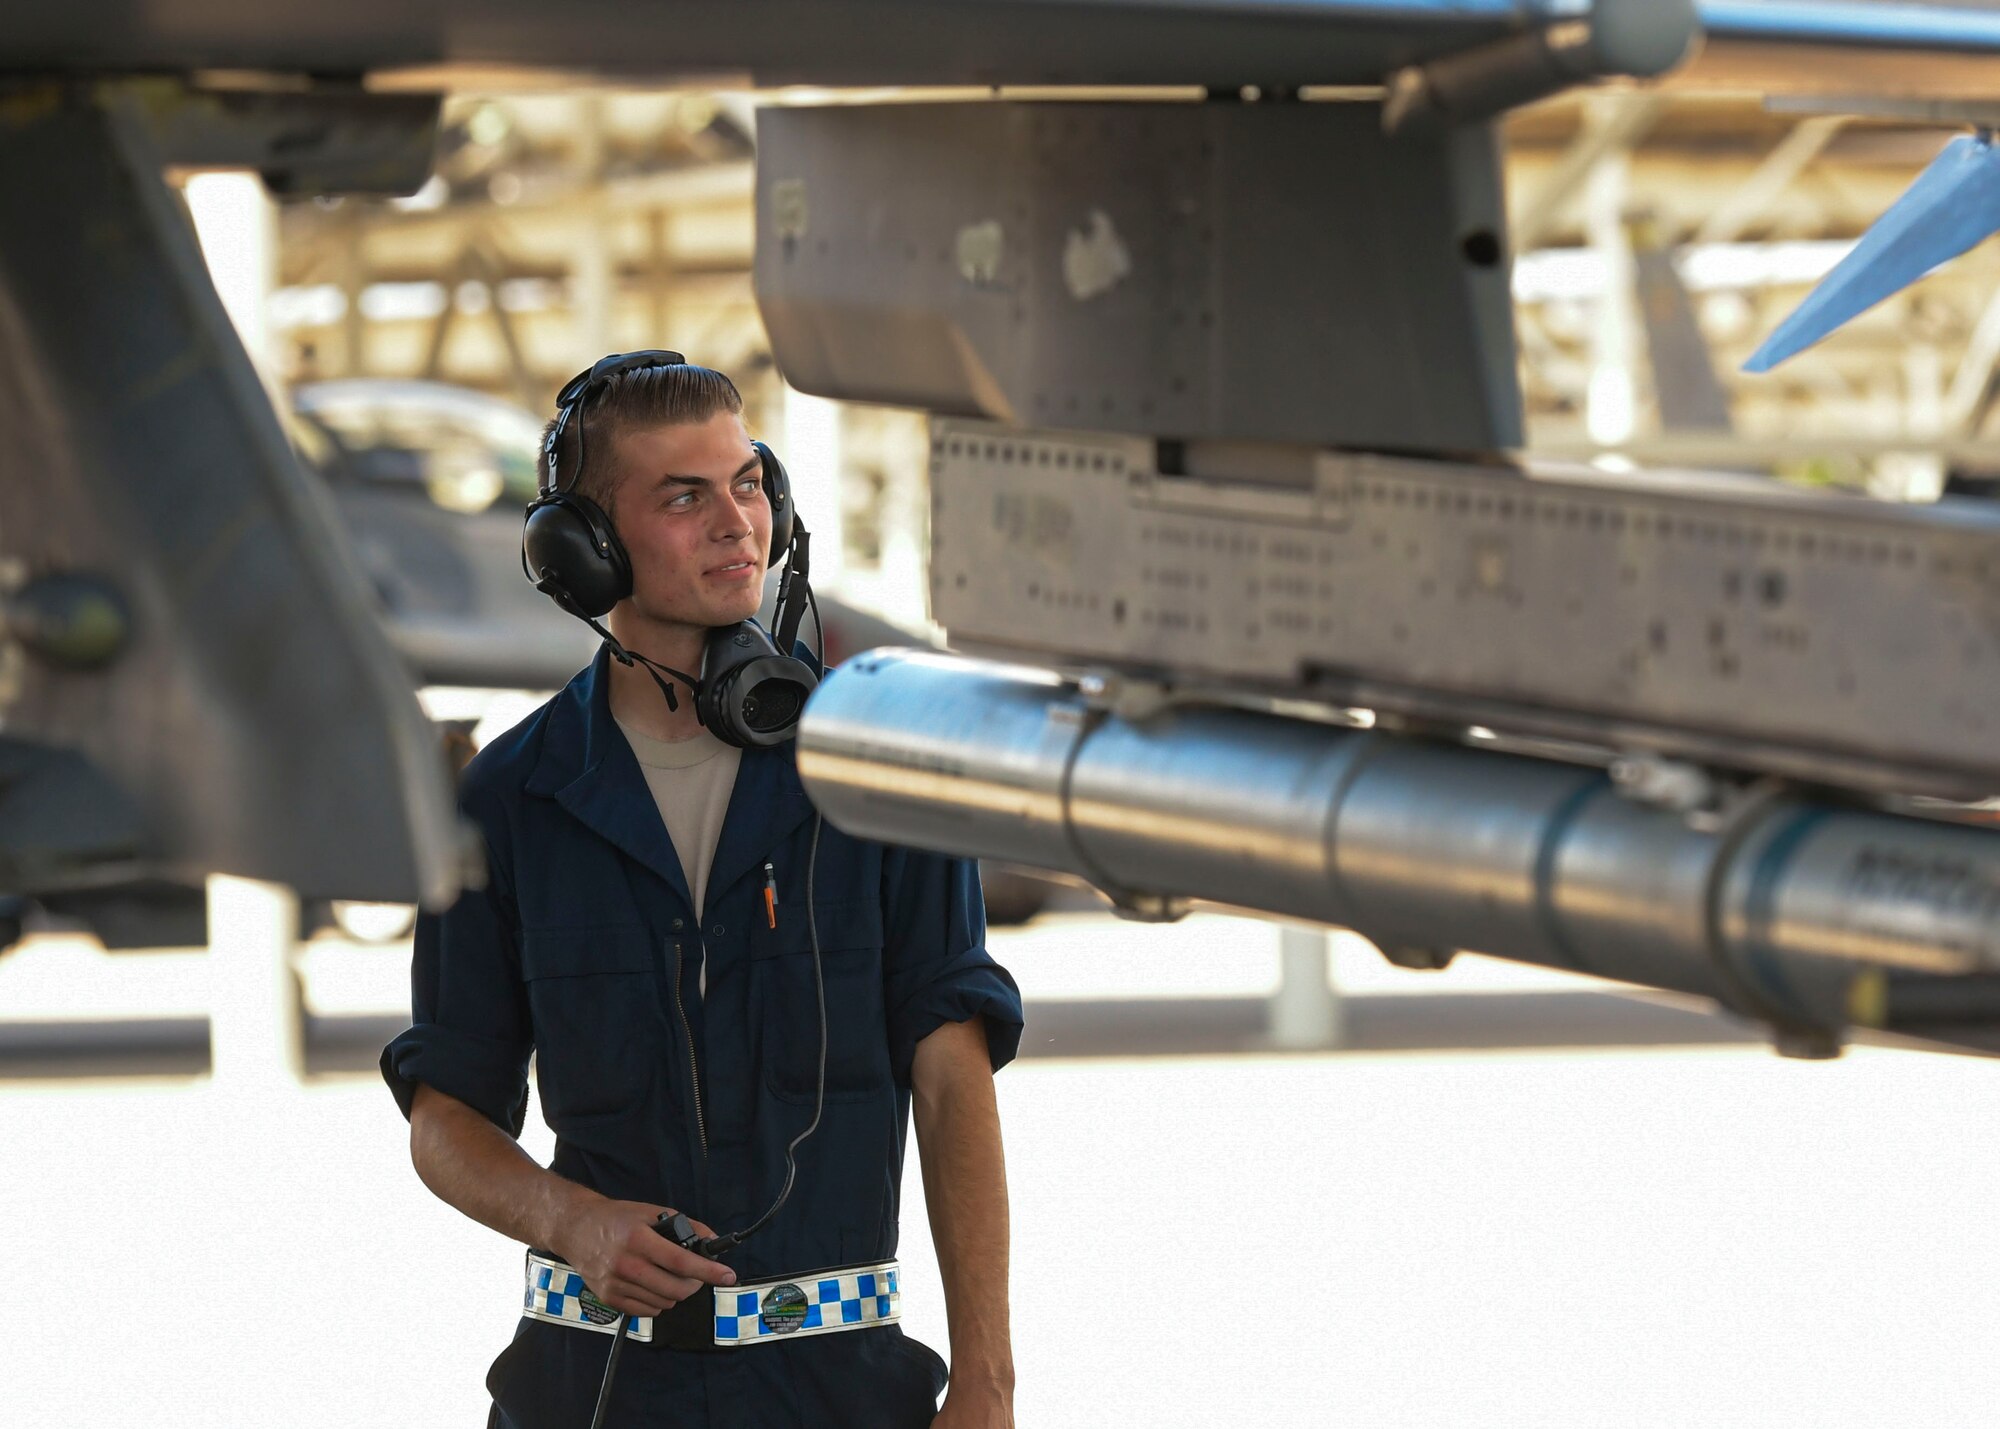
(722, 1244)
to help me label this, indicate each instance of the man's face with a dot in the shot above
(688, 502)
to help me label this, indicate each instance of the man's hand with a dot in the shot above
(629, 1265)
(980, 1406)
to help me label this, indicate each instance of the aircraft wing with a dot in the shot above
(192, 679)
(857, 42)
(1771, 44)
(1230, 635)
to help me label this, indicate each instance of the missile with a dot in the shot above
(1808, 915)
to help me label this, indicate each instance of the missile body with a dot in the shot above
(1806, 915)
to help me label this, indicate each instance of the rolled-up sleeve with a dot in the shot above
(470, 1035)
(935, 967)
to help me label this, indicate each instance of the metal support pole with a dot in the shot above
(659, 271)
(1917, 474)
(905, 520)
(256, 1017)
(1611, 413)
(455, 275)
(1972, 379)
(1305, 1010)
(484, 262)
(593, 277)
(353, 321)
(813, 457)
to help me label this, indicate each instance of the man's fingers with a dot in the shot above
(635, 1298)
(709, 1272)
(629, 1300)
(650, 1279)
(671, 1258)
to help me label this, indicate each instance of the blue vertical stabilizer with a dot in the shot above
(1953, 205)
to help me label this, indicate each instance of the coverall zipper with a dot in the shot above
(694, 1070)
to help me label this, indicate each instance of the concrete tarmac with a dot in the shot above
(1648, 1239)
(1631, 1224)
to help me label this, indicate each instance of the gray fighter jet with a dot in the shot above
(1224, 368)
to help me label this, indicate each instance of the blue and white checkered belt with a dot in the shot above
(824, 1302)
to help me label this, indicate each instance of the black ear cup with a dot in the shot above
(572, 554)
(569, 548)
(778, 493)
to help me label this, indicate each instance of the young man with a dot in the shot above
(626, 937)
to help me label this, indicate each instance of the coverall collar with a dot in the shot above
(587, 766)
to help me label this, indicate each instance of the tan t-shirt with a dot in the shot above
(691, 780)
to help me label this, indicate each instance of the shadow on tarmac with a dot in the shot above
(1138, 1027)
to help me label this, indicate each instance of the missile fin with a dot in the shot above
(1953, 206)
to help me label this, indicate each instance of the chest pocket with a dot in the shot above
(785, 1003)
(592, 993)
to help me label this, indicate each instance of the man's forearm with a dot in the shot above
(965, 1187)
(475, 1167)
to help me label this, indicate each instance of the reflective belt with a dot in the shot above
(850, 1297)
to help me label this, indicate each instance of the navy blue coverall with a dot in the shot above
(583, 948)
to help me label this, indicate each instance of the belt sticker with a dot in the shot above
(784, 1309)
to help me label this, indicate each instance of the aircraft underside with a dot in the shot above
(1223, 467)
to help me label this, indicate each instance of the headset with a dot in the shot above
(750, 690)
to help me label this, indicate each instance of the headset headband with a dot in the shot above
(579, 387)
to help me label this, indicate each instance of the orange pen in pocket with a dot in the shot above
(770, 895)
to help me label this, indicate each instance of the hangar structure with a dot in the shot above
(604, 219)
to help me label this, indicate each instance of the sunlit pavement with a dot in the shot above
(1712, 1237)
